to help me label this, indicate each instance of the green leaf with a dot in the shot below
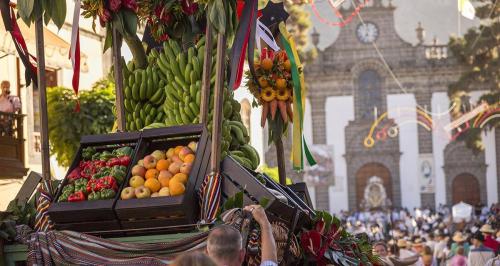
(238, 200)
(58, 13)
(108, 42)
(129, 22)
(218, 16)
(264, 202)
(25, 8)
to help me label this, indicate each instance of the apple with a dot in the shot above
(136, 181)
(164, 191)
(175, 167)
(176, 158)
(128, 193)
(142, 192)
(154, 195)
(140, 162)
(138, 170)
(150, 161)
(184, 151)
(170, 152)
(186, 168)
(158, 155)
(193, 145)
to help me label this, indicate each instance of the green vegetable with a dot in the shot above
(118, 173)
(107, 193)
(96, 156)
(105, 171)
(81, 185)
(68, 189)
(123, 151)
(94, 196)
(88, 152)
(64, 197)
(106, 155)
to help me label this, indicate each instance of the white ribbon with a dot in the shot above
(74, 31)
(262, 32)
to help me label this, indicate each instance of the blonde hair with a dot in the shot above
(5, 83)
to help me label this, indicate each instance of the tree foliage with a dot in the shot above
(66, 126)
(478, 52)
(299, 24)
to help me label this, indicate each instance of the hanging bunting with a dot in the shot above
(245, 33)
(299, 146)
(334, 5)
(74, 52)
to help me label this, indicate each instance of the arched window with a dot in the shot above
(370, 94)
(246, 112)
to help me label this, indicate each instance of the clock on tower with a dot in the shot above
(367, 32)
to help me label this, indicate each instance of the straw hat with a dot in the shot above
(401, 243)
(458, 237)
(486, 228)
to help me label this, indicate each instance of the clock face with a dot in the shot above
(367, 32)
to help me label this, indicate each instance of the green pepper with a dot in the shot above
(106, 155)
(88, 152)
(94, 196)
(105, 171)
(81, 185)
(64, 197)
(118, 173)
(123, 151)
(107, 193)
(96, 156)
(68, 189)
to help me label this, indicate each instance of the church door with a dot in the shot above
(465, 188)
(372, 172)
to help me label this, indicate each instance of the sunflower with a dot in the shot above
(268, 94)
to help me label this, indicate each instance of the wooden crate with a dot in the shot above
(172, 210)
(237, 178)
(88, 216)
(300, 189)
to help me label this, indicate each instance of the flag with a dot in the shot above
(466, 9)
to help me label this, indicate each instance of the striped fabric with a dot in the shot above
(210, 196)
(42, 220)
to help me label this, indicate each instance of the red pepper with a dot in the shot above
(113, 161)
(92, 185)
(77, 196)
(125, 160)
(74, 175)
(107, 182)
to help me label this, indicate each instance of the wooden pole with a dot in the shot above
(218, 102)
(280, 152)
(44, 131)
(207, 74)
(117, 62)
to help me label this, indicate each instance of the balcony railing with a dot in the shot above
(436, 52)
(11, 125)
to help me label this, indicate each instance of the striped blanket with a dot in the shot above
(74, 248)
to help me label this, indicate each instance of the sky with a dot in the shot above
(439, 19)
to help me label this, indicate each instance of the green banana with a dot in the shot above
(251, 154)
(238, 133)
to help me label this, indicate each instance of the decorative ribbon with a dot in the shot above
(10, 22)
(263, 33)
(334, 6)
(210, 195)
(42, 220)
(74, 52)
(245, 32)
(299, 146)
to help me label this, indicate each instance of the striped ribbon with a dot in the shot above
(299, 146)
(74, 52)
(210, 196)
(42, 220)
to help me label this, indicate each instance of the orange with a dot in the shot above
(267, 64)
(152, 173)
(178, 149)
(263, 82)
(153, 184)
(189, 158)
(280, 83)
(176, 188)
(180, 177)
(287, 65)
(162, 164)
(164, 179)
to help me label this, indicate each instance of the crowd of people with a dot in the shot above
(428, 237)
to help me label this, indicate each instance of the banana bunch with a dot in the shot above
(144, 94)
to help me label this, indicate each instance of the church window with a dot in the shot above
(370, 94)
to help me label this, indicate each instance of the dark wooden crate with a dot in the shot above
(300, 189)
(172, 210)
(96, 215)
(237, 178)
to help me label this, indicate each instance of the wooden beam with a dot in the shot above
(44, 127)
(207, 74)
(218, 102)
(117, 63)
